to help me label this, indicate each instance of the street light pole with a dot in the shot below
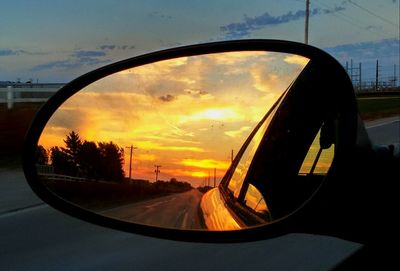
(215, 176)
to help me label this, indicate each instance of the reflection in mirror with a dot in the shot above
(149, 144)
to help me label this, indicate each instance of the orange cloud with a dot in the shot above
(237, 133)
(148, 145)
(205, 163)
(296, 59)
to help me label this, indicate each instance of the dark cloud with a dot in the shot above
(62, 64)
(386, 51)
(86, 54)
(169, 44)
(364, 51)
(11, 52)
(243, 29)
(68, 119)
(107, 47)
(76, 60)
(330, 11)
(167, 98)
(111, 47)
(196, 92)
(159, 15)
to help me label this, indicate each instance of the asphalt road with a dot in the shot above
(173, 211)
(386, 131)
(34, 236)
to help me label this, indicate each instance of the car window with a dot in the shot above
(255, 200)
(318, 160)
(237, 179)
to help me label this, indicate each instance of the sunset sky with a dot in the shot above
(185, 114)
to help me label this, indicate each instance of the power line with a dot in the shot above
(373, 14)
(351, 20)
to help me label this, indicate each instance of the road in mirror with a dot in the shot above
(146, 144)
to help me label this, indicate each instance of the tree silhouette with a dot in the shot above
(112, 158)
(73, 144)
(60, 161)
(87, 159)
(41, 155)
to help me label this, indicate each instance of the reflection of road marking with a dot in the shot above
(179, 222)
(159, 203)
(372, 125)
(185, 220)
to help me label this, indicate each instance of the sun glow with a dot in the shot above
(226, 114)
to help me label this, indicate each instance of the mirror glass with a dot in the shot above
(154, 144)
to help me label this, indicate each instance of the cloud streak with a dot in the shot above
(85, 54)
(11, 52)
(167, 98)
(75, 60)
(249, 24)
(110, 47)
(386, 48)
(61, 64)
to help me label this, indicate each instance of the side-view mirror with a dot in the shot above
(216, 142)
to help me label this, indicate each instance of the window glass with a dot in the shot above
(237, 179)
(317, 161)
(255, 200)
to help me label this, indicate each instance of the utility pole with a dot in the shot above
(157, 170)
(377, 75)
(131, 147)
(306, 22)
(355, 74)
(215, 176)
(359, 74)
(351, 70)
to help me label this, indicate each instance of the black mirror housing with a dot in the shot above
(340, 127)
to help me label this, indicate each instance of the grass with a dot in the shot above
(378, 107)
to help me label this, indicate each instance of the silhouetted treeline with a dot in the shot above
(173, 186)
(87, 159)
